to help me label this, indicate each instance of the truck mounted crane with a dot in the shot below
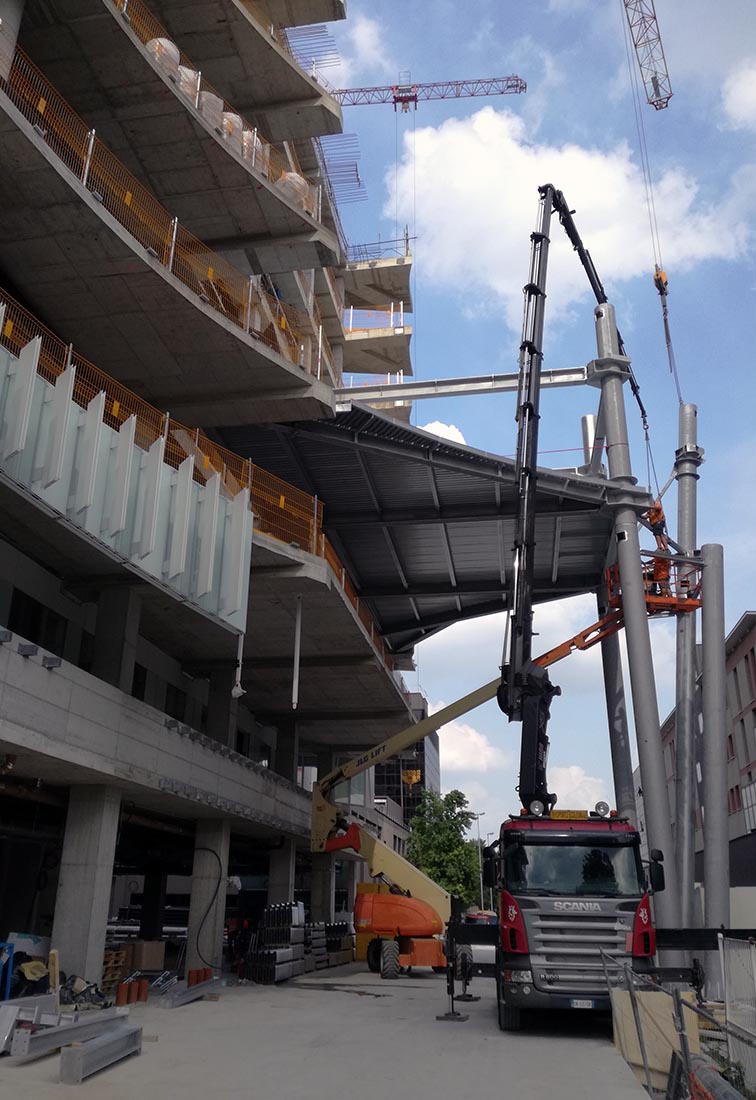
(568, 882)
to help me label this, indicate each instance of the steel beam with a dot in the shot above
(28, 1045)
(610, 371)
(82, 1060)
(616, 713)
(183, 994)
(687, 460)
(475, 385)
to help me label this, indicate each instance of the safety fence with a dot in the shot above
(241, 300)
(738, 958)
(281, 510)
(676, 1046)
(391, 316)
(379, 250)
(242, 136)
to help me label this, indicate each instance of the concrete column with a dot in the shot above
(610, 370)
(715, 823)
(287, 751)
(322, 887)
(116, 636)
(222, 708)
(281, 870)
(616, 713)
(12, 10)
(207, 906)
(84, 880)
(153, 904)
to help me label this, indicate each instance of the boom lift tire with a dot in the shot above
(373, 956)
(389, 960)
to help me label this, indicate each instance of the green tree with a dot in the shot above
(438, 847)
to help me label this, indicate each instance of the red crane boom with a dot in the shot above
(404, 95)
(641, 19)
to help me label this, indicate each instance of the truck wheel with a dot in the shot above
(389, 960)
(463, 963)
(373, 956)
(510, 1019)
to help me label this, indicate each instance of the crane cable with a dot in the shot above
(660, 278)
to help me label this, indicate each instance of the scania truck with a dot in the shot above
(569, 884)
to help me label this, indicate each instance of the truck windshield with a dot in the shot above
(573, 869)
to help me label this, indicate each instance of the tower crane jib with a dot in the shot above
(644, 29)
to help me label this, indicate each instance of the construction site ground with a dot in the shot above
(344, 1032)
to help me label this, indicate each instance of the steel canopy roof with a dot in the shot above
(425, 527)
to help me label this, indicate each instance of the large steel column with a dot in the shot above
(610, 372)
(687, 460)
(715, 822)
(616, 713)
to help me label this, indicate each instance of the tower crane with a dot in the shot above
(405, 93)
(644, 29)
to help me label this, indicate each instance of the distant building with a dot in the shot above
(404, 778)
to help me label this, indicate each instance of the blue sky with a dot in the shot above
(464, 175)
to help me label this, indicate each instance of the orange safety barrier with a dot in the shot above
(244, 137)
(391, 316)
(281, 510)
(240, 299)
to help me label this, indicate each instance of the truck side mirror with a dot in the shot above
(490, 877)
(656, 875)
(657, 855)
(489, 852)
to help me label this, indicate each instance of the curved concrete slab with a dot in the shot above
(99, 289)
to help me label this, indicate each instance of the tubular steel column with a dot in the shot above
(687, 460)
(610, 371)
(715, 824)
(616, 713)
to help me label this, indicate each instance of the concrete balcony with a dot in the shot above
(214, 170)
(299, 13)
(232, 42)
(109, 269)
(378, 273)
(377, 341)
(329, 288)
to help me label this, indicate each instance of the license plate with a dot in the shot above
(576, 1003)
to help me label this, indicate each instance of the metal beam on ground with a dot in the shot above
(81, 1060)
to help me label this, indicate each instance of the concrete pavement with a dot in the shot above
(344, 1033)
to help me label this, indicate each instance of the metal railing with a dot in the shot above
(281, 510)
(237, 298)
(231, 126)
(379, 250)
(391, 316)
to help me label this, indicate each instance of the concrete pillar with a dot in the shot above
(222, 708)
(287, 751)
(10, 21)
(116, 636)
(281, 871)
(322, 887)
(153, 904)
(207, 906)
(84, 880)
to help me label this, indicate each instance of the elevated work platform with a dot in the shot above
(426, 527)
(110, 271)
(214, 170)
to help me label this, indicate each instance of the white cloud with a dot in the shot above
(446, 431)
(364, 51)
(739, 96)
(476, 183)
(576, 789)
(465, 749)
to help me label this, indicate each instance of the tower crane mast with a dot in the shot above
(644, 29)
(406, 94)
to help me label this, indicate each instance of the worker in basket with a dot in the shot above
(662, 569)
